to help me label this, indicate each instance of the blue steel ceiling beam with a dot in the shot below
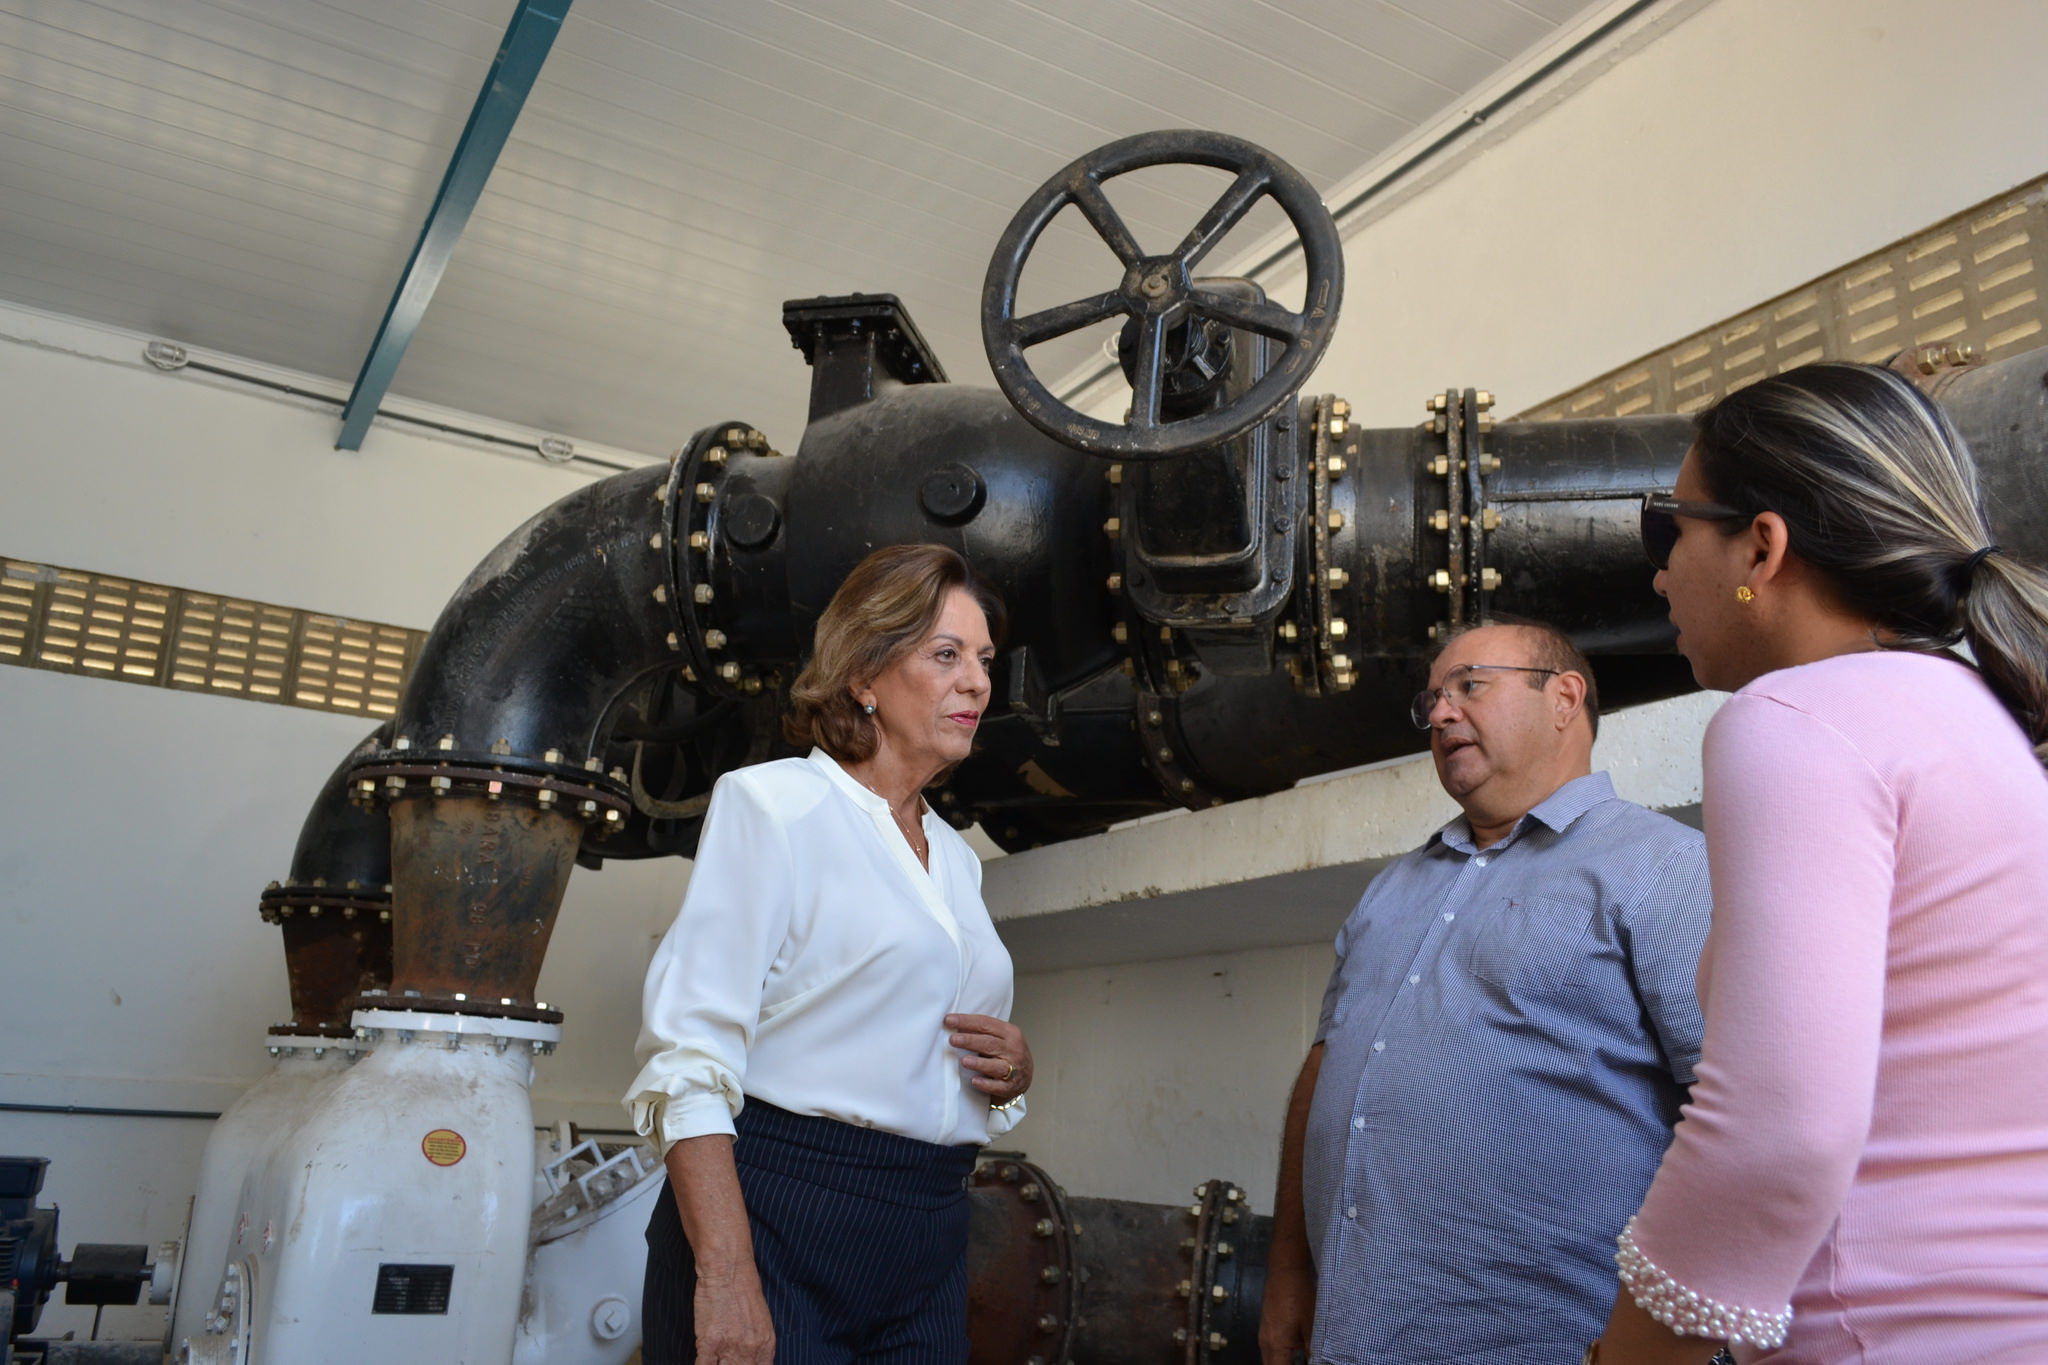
(520, 56)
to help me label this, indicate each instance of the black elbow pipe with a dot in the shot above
(495, 773)
(334, 907)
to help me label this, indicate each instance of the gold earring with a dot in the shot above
(1745, 593)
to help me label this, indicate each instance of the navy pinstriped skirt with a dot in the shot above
(860, 1237)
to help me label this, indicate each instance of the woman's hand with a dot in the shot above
(995, 1052)
(733, 1327)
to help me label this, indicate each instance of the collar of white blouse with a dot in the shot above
(923, 882)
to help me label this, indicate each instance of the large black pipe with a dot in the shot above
(334, 906)
(495, 772)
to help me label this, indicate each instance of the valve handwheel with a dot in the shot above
(1160, 292)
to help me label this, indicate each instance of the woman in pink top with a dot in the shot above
(1862, 1172)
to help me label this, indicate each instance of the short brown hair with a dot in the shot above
(884, 609)
(1550, 648)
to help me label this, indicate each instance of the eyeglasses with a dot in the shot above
(1660, 522)
(1458, 689)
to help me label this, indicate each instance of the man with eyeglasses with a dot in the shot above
(1503, 1048)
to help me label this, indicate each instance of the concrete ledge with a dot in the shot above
(1286, 868)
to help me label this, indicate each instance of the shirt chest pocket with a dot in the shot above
(1529, 945)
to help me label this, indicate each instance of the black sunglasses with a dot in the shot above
(1660, 522)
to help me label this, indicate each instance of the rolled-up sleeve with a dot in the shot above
(702, 1001)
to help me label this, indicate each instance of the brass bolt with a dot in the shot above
(700, 540)
(654, 541)
(1336, 426)
(729, 671)
(348, 912)
(1154, 718)
(715, 455)
(384, 915)
(661, 592)
(1116, 582)
(1335, 464)
(1489, 464)
(714, 639)
(1217, 1341)
(1194, 1210)
(1218, 1293)
(1165, 754)
(701, 594)
(673, 642)
(1338, 628)
(1489, 519)
(1441, 580)
(1336, 520)
(1187, 1244)
(312, 912)
(1489, 579)
(589, 810)
(441, 785)
(1185, 1289)
(552, 756)
(689, 673)
(1440, 521)
(446, 742)
(1230, 1215)
(1437, 403)
(1166, 634)
(1486, 421)
(1440, 466)
(1048, 1323)
(1113, 528)
(1120, 632)
(1224, 1250)
(1180, 1336)
(1043, 1227)
(1289, 631)
(1050, 1275)
(705, 492)
(593, 764)
(1340, 407)
(1339, 578)
(545, 796)
(661, 493)
(403, 743)
(1116, 474)
(617, 775)
(1028, 1193)
(1485, 400)
(1187, 784)
(501, 746)
(394, 783)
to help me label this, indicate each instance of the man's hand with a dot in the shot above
(1289, 1314)
(733, 1327)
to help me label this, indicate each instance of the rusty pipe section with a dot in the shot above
(1054, 1278)
(494, 777)
(334, 906)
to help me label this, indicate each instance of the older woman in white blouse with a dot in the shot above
(824, 1047)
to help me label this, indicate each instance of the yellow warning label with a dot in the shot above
(444, 1146)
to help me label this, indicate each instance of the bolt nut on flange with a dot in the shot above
(1113, 528)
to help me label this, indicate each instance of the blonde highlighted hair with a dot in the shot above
(886, 607)
(1881, 495)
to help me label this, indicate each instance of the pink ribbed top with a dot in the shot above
(1868, 1137)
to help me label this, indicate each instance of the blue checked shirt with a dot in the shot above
(1506, 1042)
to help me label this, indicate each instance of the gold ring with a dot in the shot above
(1010, 1074)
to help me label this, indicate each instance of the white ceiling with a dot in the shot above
(249, 176)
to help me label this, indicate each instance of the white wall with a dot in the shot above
(1745, 149)
(138, 825)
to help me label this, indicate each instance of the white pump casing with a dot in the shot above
(583, 1283)
(241, 1141)
(391, 1223)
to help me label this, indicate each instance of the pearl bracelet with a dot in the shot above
(1688, 1312)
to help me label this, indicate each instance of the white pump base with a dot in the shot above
(390, 1223)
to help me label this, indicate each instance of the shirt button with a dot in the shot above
(1351, 1211)
(1359, 1123)
(1379, 1045)
(1481, 860)
(1415, 980)
(1449, 916)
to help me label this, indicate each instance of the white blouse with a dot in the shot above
(813, 964)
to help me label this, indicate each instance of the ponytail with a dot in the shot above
(1880, 495)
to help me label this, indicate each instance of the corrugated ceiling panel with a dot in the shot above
(250, 175)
